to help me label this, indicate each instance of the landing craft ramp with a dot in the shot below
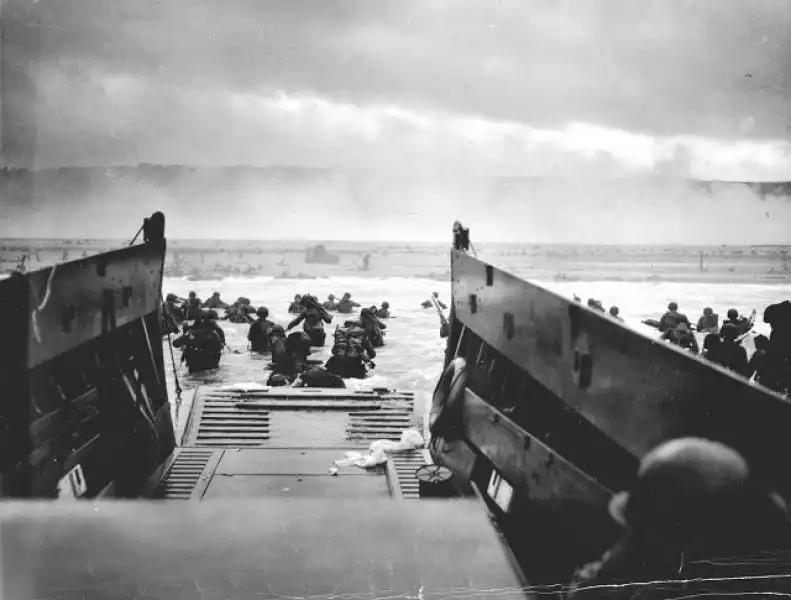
(282, 442)
(252, 550)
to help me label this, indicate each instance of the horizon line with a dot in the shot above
(379, 242)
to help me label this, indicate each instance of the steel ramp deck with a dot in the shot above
(279, 442)
(265, 549)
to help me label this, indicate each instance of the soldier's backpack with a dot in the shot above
(348, 342)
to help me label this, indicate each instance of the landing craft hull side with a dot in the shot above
(84, 375)
(557, 517)
(562, 401)
(105, 292)
(637, 390)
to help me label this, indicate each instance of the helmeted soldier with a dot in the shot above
(694, 500)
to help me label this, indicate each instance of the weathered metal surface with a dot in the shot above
(84, 375)
(525, 461)
(264, 549)
(353, 486)
(224, 418)
(280, 442)
(280, 461)
(78, 301)
(637, 390)
(188, 469)
(557, 515)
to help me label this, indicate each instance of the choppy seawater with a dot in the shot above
(413, 354)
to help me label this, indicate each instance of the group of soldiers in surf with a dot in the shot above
(201, 338)
(769, 365)
(353, 350)
(178, 310)
(594, 304)
(697, 520)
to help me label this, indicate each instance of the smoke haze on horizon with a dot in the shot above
(437, 100)
(207, 204)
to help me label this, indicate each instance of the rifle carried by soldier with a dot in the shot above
(444, 327)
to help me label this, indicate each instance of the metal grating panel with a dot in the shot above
(406, 463)
(301, 394)
(305, 417)
(386, 423)
(183, 475)
(223, 424)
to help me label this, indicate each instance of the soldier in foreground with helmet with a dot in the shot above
(695, 500)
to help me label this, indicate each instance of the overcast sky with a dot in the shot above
(522, 87)
(434, 96)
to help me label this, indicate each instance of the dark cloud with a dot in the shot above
(161, 81)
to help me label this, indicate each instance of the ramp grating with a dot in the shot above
(223, 424)
(384, 424)
(224, 418)
(405, 465)
(183, 475)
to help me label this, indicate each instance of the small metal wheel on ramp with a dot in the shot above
(434, 481)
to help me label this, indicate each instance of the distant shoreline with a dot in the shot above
(296, 245)
(735, 265)
(546, 278)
